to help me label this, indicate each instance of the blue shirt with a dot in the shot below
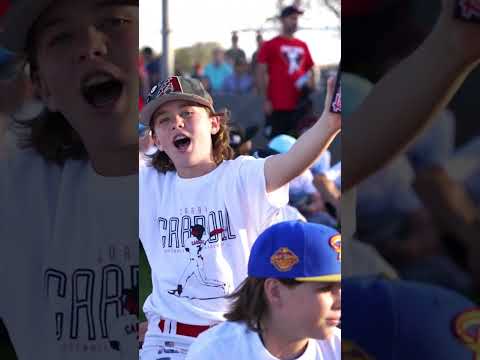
(217, 74)
(235, 84)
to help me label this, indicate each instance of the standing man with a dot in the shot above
(234, 54)
(284, 73)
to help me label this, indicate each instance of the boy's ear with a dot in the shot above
(273, 293)
(157, 142)
(41, 89)
(215, 124)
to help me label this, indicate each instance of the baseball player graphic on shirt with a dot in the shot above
(196, 267)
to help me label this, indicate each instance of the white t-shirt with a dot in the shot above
(194, 268)
(335, 174)
(69, 255)
(235, 341)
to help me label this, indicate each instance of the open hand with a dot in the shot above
(463, 36)
(332, 120)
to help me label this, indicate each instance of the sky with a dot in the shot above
(193, 21)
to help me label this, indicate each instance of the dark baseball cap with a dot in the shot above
(289, 10)
(297, 250)
(398, 319)
(240, 135)
(175, 88)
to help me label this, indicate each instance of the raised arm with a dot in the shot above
(404, 101)
(281, 169)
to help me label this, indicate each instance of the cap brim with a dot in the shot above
(324, 278)
(152, 106)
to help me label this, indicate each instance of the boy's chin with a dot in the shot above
(324, 333)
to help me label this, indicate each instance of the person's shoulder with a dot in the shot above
(246, 160)
(331, 346)
(238, 160)
(28, 163)
(147, 173)
(223, 336)
(274, 39)
(226, 330)
(299, 41)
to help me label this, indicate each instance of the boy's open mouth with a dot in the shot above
(181, 142)
(101, 89)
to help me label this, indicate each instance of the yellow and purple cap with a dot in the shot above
(296, 250)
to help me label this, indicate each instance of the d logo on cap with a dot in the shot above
(284, 259)
(336, 244)
(466, 327)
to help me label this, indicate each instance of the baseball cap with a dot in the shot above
(20, 15)
(281, 143)
(240, 135)
(289, 10)
(175, 88)
(398, 319)
(297, 250)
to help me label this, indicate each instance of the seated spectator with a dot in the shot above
(199, 73)
(241, 139)
(240, 82)
(217, 71)
(303, 194)
(328, 181)
(152, 66)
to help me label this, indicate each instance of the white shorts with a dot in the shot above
(166, 345)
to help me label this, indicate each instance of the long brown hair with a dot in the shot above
(220, 144)
(249, 302)
(50, 134)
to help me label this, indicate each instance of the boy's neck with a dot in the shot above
(196, 170)
(119, 162)
(280, 342)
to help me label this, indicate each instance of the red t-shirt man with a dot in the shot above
(285, 62)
